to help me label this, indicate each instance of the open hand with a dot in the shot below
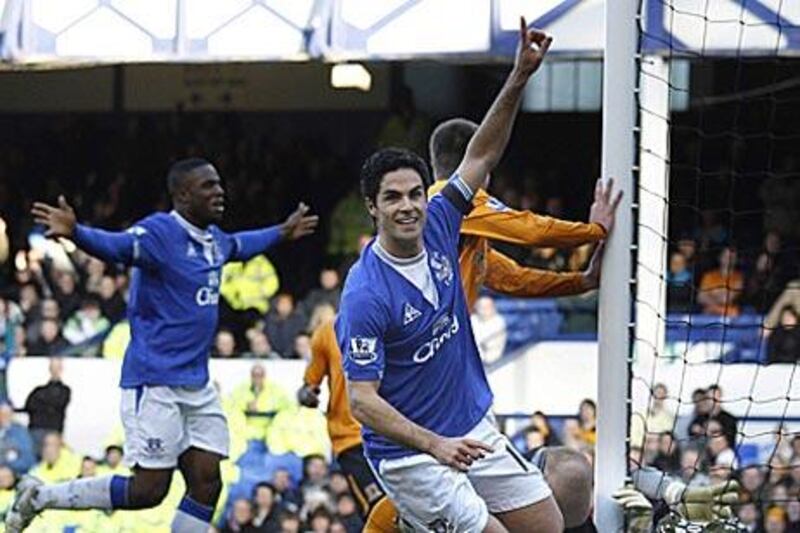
(459, 453)
(532, 47)
(60, 221)
(299, 224)
(603, 210)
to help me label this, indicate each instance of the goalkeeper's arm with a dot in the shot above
(696, 504)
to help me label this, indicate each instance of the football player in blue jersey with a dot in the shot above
(170, 412)
(415, 379)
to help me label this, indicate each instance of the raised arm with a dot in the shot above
(253, 242)
(376, 413)
(111, 246)
(489, 142)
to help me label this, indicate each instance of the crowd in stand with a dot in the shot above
(701, 447)
(720, 281)
(279, 479)
(55, 300)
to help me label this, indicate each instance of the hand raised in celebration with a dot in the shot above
(299, 224)
(60, 221)
(604, 209)
(532, 47)
(459, 453)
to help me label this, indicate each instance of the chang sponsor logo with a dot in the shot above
(444, 329)
(206, 296)
(209, 295)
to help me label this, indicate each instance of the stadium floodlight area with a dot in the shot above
(713, 172)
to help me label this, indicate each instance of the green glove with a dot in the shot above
(638, 509)
(703, 504)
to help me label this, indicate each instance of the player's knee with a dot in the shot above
(149, 492)
(205, 489)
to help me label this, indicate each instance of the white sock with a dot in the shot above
(85, 493)
(191, 517)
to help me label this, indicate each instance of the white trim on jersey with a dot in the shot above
(462, 187)
(414, 269)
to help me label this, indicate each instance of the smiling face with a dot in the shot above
(400, 211)
(200, 197)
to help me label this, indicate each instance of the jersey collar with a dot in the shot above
(381, 252)
(198, 234)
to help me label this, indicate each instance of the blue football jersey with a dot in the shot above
(424, 355)
(174, 292)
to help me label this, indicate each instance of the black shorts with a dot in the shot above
(365, 487)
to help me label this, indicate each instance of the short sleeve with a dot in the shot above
(360, 330)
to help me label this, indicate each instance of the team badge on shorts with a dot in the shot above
(153, 446)
(440, 525)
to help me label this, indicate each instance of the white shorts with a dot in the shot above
(163, 422)
(433, 497)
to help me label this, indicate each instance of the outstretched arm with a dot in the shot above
(253, 242)
(489, 142)
(693, 503)
(491, 219)
(505, 276)
(111, 246)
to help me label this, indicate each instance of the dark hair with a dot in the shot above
(448, 145)
(308, 458)
(113, 448)
(90, 300)
(264, 484)
(386, 160)
(320, 511)
(180, 169)
(288, 515)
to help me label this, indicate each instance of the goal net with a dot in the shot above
(715, 391)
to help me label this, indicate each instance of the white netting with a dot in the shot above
(714, 393)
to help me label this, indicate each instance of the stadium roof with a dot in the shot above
(58, 31)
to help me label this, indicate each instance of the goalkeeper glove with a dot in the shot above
(702, 504)
(638, 509)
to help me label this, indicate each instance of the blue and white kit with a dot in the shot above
(168, 403)
(405, 323)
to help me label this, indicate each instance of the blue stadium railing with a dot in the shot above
(537, 320)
